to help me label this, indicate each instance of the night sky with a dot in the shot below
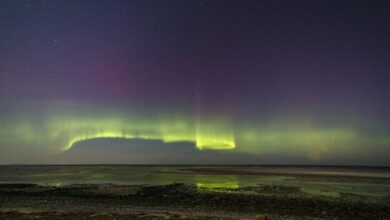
(173, 81)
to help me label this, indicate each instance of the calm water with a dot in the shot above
(156, 175)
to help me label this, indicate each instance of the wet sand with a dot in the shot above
(298, 171)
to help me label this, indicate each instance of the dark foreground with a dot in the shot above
(178, 201)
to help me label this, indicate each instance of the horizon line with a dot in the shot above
(129, 164)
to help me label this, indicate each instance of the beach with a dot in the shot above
(210, 192)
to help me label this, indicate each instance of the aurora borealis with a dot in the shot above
(284, 82)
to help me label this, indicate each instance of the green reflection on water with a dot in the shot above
(217, 185)
(214, 182)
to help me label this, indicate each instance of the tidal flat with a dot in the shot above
(194, 192)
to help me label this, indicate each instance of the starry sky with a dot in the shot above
(195, 82)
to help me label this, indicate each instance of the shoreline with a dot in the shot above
(177, 201)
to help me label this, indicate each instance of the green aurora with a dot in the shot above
(60, 131)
